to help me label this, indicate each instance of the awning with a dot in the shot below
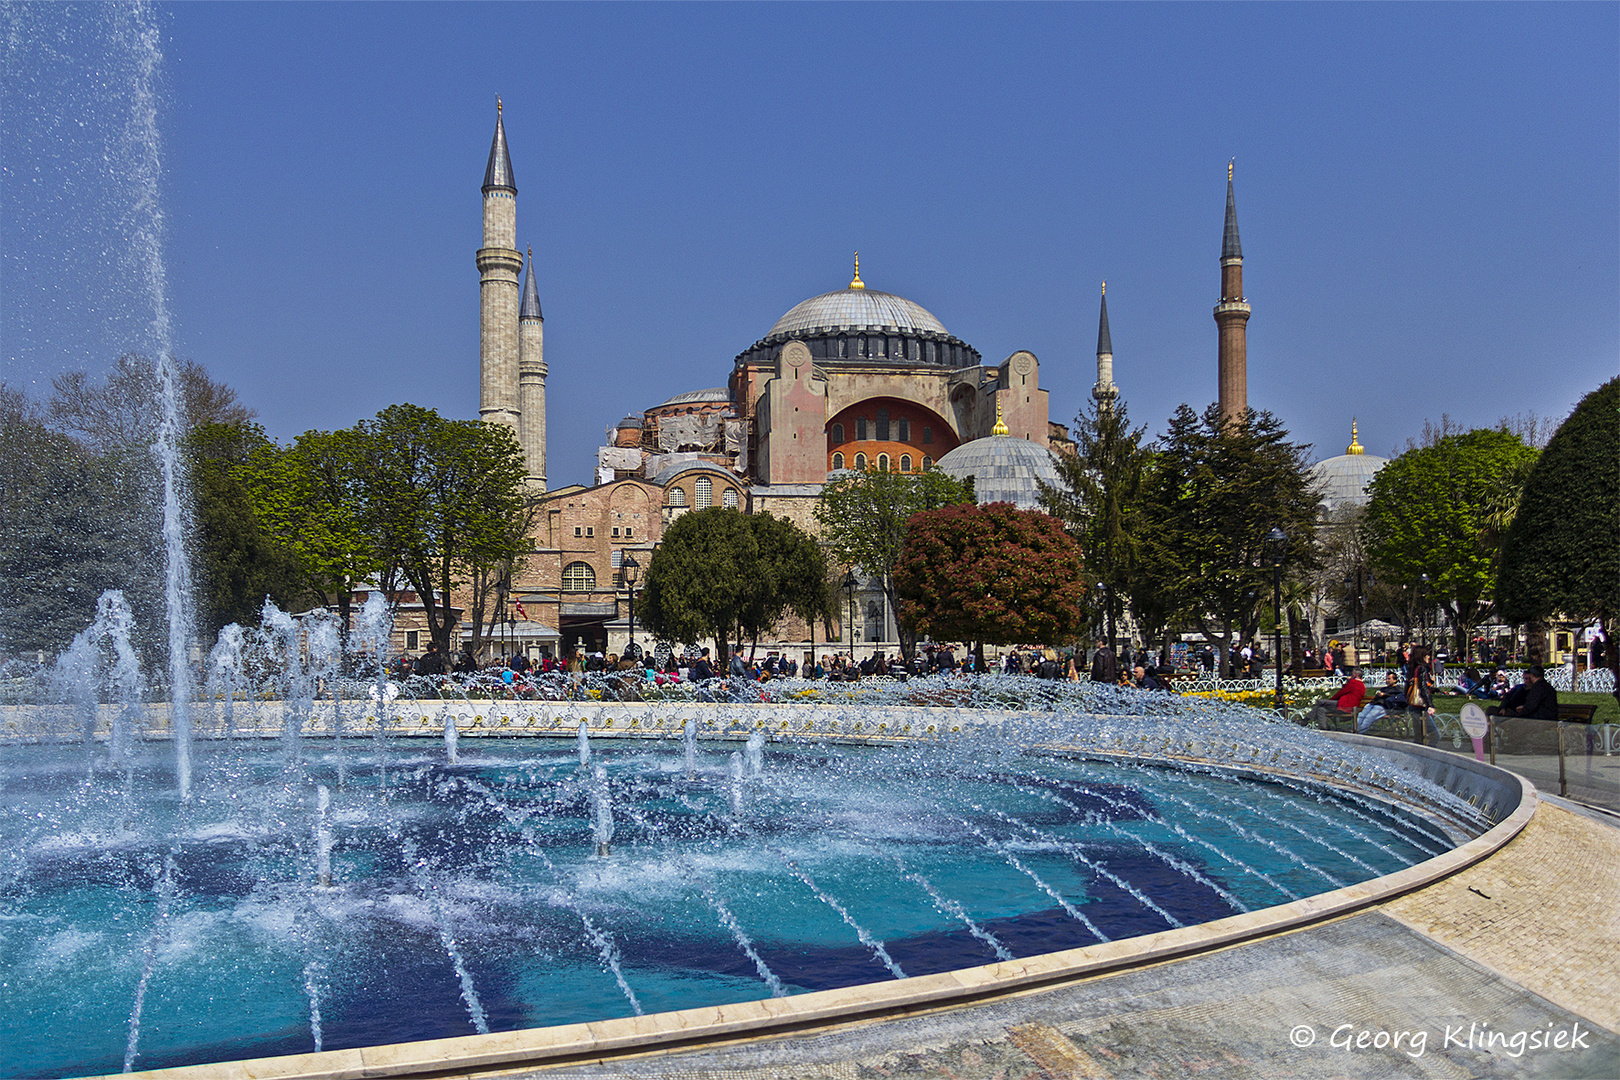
(523, 630)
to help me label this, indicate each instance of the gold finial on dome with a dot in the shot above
(857, 283)
(1000, 428)
(1355, 446)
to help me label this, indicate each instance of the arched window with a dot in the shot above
(928, 463)
(860, 462)
(905, 462)
(838, 461)
(837, 434)
(703, 493)
(578, 577)
(860, 429)
(883, 463)
(928, 434)
(728, 498)
(883, 425)
(677, 497)
(902, 430)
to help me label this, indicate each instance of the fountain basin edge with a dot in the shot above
(1511, 799)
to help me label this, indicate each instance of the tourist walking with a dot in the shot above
(1420, 695)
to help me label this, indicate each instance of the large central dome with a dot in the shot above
(857, 309)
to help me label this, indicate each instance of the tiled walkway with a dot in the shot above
(1467, 977)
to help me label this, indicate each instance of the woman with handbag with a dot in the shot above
(1420, 695)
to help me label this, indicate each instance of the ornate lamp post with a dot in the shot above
(1423, 611)
(631, 571)
(849, 590)
(1277, 553)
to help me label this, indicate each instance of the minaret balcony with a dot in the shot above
(1232, 307)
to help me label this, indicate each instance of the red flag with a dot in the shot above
(524, 615)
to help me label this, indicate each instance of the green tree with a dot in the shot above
(991, 574)
(1100, 501)
(440, 497)
(1560, 555)
(1427, 513)
(863, 520)
(789, 574)
(1217, 490)
(310, 498)
(698, 584)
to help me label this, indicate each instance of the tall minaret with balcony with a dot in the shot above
(499, 263)
(1232, 317)
(1105, 391)
(532, 380)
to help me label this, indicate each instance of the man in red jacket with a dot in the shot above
(1341, 707)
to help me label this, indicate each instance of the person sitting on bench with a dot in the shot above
(1392, 698)
(1535, 699)
(1341, 707)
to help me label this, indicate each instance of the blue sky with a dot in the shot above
(1429, 197)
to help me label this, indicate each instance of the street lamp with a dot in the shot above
(849, 589)
(1277, 551)
(630, 569)
(1108, 612)
(1423, 611)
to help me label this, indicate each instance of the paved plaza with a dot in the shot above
(1505, 969)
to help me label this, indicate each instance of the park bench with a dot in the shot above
(1576, 714)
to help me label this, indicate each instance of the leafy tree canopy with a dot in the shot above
(863, 520)
(1427, 513)
(699, 584)
(991, 574)
(1216, 492)
(1562, 551)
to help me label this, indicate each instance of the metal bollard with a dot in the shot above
(1563, 786)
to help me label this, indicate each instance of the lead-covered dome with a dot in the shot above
(852, 309)
(1004, 469)
(857, 325)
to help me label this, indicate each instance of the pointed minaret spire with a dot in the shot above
(498, 175)
(530, 307)
(1232, 319)
(1105, 391)
(1230, 247)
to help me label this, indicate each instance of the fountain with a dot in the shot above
(299, 861)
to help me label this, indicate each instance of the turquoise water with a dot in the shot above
(470, 897)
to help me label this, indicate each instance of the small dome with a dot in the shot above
(1342, 481)
(630, 422)
(1004, 469)
(699, 397)
(850, 309)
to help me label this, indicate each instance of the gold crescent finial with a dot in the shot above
(1229, 170)
(497, 106)
(528, 253)
(1105, 288)
(1355, 446)
(857, 283)
(1001, 427)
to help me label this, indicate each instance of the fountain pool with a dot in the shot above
(142, 930)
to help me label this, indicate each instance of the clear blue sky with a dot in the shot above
(1429, 197)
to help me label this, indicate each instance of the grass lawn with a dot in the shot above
(1608, 710)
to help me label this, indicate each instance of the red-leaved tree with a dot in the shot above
(991, 574)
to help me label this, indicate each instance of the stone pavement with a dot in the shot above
(1510, 968)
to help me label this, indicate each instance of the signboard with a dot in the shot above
(1476, 724)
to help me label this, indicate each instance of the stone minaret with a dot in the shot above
(1105, 391)
(499, 262)
(1232, 317)
(532, 380)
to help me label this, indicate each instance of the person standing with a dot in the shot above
(1420, 695)
(1104, 665)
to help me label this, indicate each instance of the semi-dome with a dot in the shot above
(1004, 469)
(857, 309)
(1342, 481)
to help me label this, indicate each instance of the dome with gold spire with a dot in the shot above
(1342, 481)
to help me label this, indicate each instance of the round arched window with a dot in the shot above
(703, 493)
(728, 498)
(905, 462)
(578, 577)
(838, 461)
(883, 463)
(677, 497)
(860, 462)
(928, 463)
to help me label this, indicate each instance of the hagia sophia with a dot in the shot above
(852, 379)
